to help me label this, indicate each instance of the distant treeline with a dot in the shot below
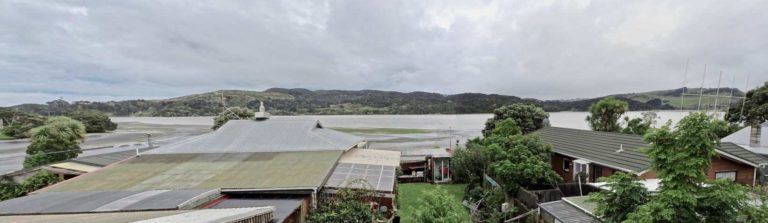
(281, 101)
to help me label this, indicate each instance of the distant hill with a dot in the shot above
(282, 101)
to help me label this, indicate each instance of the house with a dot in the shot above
(604, 153)
(280, 164)
(754, 138)
(431, 165)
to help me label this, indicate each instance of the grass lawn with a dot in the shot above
(409, 195)
(382, 130)
(5, 137)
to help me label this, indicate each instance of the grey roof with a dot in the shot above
(741, 137)
(229, 215)
(98, 201)
(105, 159)
(205, 215)
(566, 212)
(604, 148)
(264, 136)
(438, 153)
(283, 207)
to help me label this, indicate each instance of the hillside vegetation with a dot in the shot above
(282, 101)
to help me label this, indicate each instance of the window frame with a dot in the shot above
(735, 174)
(567, 168)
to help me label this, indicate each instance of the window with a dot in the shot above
(566, 164)
(730, 175)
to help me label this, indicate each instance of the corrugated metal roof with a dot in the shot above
(426, 153)
(603, 148)
(98, 201)
(264, 136)
(742, 136)
(371, 156)
(227, 215)
(105, 159)
(133, 216)
(583, 203)
(209, 171)
(566, 213)
(378, 177)
(283, 207)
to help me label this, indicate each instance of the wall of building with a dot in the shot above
(744, 173)
(557, 165)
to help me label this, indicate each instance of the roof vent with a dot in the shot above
(262, 114)
(621, 148)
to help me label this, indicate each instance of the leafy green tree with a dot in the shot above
(18, 124)
(624, 195)
(439, 207)
(468, 164)
(94, 121)
(528, 117)
(681, 158)
(9, 190)
(604, 115)
(232, 113)
(41, 179)
(346, 205)
(755, 105)
(521, 161)
(59, 139)
(639, 126)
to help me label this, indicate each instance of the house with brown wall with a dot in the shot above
(603, 153)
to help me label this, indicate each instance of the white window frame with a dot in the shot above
(733, 178)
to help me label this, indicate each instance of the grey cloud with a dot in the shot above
(109, 50)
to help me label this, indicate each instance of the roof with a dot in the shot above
(118, 217)
(742, 136)
(227, 215)
(284, 207)
(622, 151)
(565, 212)
(99, 201)
(371, 156)
(76, 167)
(264, 136)
(378, 177)
(652, 185)
(426, 153)
(583, 203)
(105, 159)
(208, 171)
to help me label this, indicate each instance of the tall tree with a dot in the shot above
(681, 157)
(755, 107)
(233, 113)
(605, 114)
(59, 139)
(528, 117)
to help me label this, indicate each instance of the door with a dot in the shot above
(597, 172)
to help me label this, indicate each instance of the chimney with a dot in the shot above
(262, 114)
(754, 135)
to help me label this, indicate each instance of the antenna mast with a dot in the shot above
(701, 89)
(718, 90)
(685, 79)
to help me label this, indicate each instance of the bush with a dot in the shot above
(94, 121)
(439, 207)
(59, 139)
(233, 113)
(347, 205)
(20, 124)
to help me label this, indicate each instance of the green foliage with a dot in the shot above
(59, 139)
(681, 158)
(490, 207)
(724, 128)
(346, 206)
(94, 121)
(469, 164)
(521, 161)
(639, 126)
(624, 196)
(755, 106)
(41, 179)
(527, 117)
(439, 207)
(604, 115)
(18, 124)
(233, 113)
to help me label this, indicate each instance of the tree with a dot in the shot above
(681, 158)
(347, 205)
(18, 124)
(604, 115)
(755, 104)
(623, 196)
(639, 126)
(10, 189)
(59, 139)
(232, 113)
(528, 117)
(468, 164)
(94, 121)
(439, 207)
(521, 161)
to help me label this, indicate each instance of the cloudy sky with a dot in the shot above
(112, 50)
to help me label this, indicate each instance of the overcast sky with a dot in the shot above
(114, 50)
